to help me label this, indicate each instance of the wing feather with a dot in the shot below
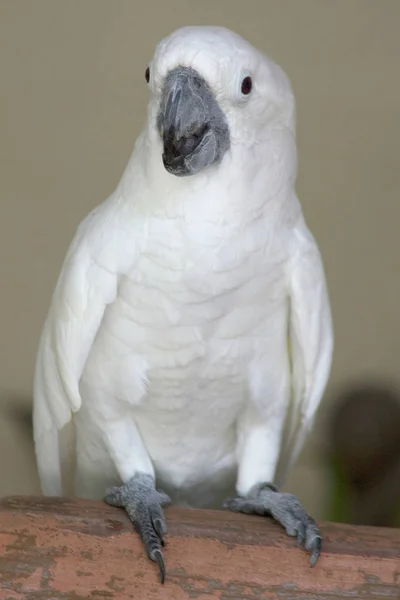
(310, 346)
(87, 284)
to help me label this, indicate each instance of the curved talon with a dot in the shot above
(316, 551)
(159, 529)
(158, 558)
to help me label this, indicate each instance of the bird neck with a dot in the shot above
(249, 182)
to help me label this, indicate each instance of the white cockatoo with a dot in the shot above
(189, 339)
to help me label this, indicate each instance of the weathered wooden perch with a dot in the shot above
(62, 549)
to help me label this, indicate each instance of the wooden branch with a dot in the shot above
(55, 548)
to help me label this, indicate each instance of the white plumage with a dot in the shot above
(190, 333)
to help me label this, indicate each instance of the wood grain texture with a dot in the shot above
(55, 548)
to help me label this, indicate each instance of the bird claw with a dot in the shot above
(315, 548)
(160, 560)
(308, 536)
(144, 505)
(284, 508)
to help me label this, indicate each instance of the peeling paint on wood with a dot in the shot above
(60, 549)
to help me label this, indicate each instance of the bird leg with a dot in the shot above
(265, 499)
(144, 505)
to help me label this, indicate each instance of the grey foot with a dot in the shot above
(266, 500)
(144, 503)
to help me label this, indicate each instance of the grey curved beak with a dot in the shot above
(190, 123)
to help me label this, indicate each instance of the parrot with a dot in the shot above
(189, 338)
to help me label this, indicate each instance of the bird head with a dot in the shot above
(213, 95)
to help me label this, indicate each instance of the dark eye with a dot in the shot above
(147, 74)
(247, 84)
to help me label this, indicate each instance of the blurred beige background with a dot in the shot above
(72, 102)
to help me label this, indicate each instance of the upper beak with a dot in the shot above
(183, 119)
